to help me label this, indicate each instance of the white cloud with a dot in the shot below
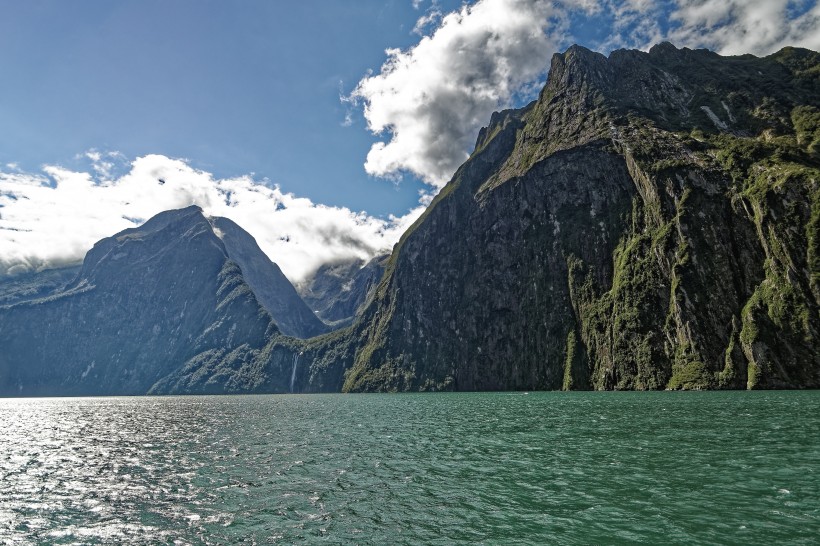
(433, 97)
(53, 218)
(635, 24)
(734, 27)
(729, 27)
(105, 164)
(426, 20)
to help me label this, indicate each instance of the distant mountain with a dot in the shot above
(337, 292)
(144, 303)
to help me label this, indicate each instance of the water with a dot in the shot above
(496, 468)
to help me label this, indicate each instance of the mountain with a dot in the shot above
(145, 303)
(270, 286)
(337, 292)
(651, 221)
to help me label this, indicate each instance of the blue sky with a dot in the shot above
(235, 87)
(321, 126)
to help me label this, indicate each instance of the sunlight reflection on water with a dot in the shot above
(440, 468)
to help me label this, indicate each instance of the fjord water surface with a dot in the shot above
(494, 468)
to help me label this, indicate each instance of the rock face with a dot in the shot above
(270, 286)
(146, 303)
(337, 292)
(651, 221)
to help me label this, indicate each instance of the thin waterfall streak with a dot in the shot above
(293, 372)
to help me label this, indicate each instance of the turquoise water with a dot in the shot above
(493, 468)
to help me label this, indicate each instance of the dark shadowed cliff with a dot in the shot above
(650, 222)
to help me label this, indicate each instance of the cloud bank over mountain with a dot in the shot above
(430, 97)
(429, 101)
(53, 218)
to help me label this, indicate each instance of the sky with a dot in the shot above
(323, 127)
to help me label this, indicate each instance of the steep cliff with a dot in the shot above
(270, 286)
(650, 221)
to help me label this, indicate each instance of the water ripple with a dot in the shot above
(570, 468)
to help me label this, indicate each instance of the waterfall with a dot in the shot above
(293, 373)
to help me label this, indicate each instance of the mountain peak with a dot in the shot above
(663, 48)
(160, 231)
(146, 301)
(571, 69)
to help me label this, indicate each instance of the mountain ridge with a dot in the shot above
(651, 221)
(580, 117)
(273, 290)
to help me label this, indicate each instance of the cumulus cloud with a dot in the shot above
(730, 27)
(734, 27)
(52, 218)
(433, 97)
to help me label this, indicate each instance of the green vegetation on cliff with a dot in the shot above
(692, 264)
